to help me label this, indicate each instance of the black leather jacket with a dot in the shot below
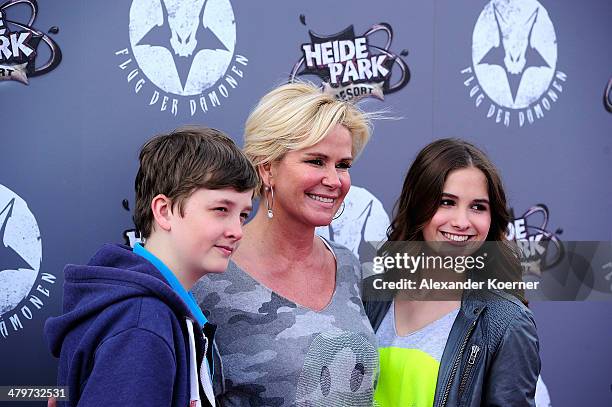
(491, 357)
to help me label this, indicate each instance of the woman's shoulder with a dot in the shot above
(345, 258)
(232, 280)
(342, 253)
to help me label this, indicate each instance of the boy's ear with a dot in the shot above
(265, 172)
(161, 207)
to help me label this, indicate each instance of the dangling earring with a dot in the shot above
(340, 212)
(270, 203)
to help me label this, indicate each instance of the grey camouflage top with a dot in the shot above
(277, 353)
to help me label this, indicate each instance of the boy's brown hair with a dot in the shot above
(178, 163)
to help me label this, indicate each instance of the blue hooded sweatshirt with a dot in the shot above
(125, 337)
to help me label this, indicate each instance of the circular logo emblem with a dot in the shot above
(20, 250)
(362, 220)
(514, 52)
(183, 46)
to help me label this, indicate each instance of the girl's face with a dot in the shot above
(463, 214)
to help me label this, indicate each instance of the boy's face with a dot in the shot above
(207, 234)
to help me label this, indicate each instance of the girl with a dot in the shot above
(481, 347)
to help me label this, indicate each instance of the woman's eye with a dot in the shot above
(447, 202)
(221, 209)
(479, 207)
(244, 216)
(343, 165)
(315, 162)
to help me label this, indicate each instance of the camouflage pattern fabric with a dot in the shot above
(277, 353)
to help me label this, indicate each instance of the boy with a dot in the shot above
(130, 333)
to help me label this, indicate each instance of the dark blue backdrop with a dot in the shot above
(70, 138)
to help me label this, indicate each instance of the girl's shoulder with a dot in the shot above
(499, 305)
(502, 314)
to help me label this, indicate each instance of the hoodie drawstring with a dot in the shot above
(194, 385)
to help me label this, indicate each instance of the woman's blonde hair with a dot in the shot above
(298, 115)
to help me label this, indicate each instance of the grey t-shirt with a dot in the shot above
(277, 353)
(430, 339)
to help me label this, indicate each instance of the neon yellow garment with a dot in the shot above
(407, 378)
(409, 364)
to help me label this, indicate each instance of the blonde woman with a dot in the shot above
(291, 326)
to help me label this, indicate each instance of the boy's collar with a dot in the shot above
(173, 281)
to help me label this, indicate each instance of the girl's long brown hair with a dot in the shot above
(422, 193)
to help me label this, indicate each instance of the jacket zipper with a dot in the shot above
(468, 369)
(456, 365)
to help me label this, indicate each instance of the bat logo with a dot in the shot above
(182, 30)
(514, 54)
(9, 258)
(182, 46)
(20, 251)
(516, 51)
(514, 62)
